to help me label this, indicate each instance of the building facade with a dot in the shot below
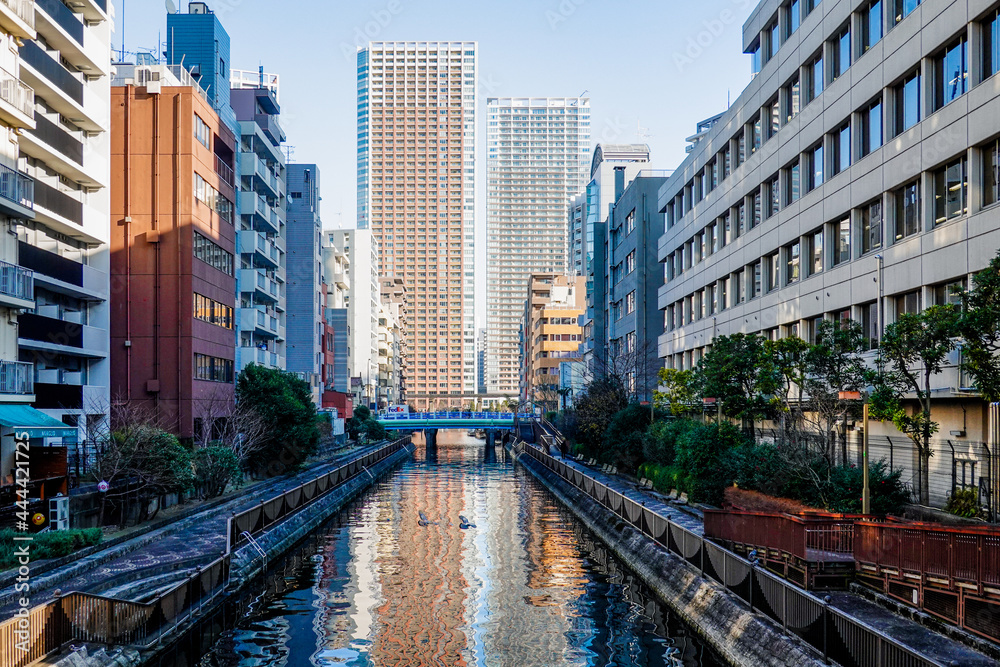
(550, 335)
(417, 122)
(577, 214)
(305, 291)
(635, 322)
(537, 154)
(336, 329)
(173, 258)
(855, 178)
(394, 300)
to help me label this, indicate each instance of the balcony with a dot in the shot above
(52, 70)
(256, 355)
(269, 125)
(17, 287)
(48, 198)
(256, 207)
(17, 102)
(55, 331)
(17, 193)
(18, 18)
(254, 281)
(258, 321)
(262, 248)
(225, 172)
(253, 166)
(59, 139)
(17, 378)
(63, 17)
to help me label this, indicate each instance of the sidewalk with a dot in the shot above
(918, 638)
(183, 544)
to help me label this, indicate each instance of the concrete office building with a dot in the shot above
(481, 361)
(363, 303)
(550, 335)
(577, 213)
(66, 152)
(417, 121)
(635, 321)
(537, 153)
(336, 326)
(612, 168)
(393, 296)
(173, 265)
(855, 177)
(305, 293)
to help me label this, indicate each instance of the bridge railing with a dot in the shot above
(413, 416)
(829, 631)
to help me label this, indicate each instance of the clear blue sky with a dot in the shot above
(662, 64)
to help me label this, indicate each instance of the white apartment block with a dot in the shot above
(538, 154)
(417, 120)
(855, 177)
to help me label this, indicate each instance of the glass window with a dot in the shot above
(871, 227)
(815, 72)
(991, 173)
(775, 113)
(774, 199)
(871, 128)
(723, 290)
(908, 102)
(773, 271)
(738, 287)
(908, 304)
(907, 210)
(841, 149)
(726, 166)
(817, 252)
(869, 324)
(202, 132)
(793, 101)
(792, 263)
(758, 267)
(951, 192)
(816, 167)
(794, 15)
(755, 62)
(842, 253)
(794, 183)
(774, 40)
(871, 25)
(949, 294)
(951, 73)
(741, 148)
(727, 227)
(756, 131)
(841, 53)
(991, 44)
(902, 8)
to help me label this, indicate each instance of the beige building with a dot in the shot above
(855, 177)
(550, 334)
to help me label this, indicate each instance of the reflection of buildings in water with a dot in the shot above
(422, 616)
(265, 642)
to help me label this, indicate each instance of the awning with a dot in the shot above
(37, 424)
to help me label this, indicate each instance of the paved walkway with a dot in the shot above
(909, 633)
(200, 537)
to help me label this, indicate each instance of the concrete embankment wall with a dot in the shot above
(247, 562)
(740, 636)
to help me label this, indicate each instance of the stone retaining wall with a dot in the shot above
(740, 636)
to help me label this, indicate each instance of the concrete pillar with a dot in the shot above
(491, 438)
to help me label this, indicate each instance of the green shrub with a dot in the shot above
(56, 544)
(664, 478)
(660, 444)
(964, 503)
(704, 458)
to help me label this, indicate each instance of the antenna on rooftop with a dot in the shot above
(289, 153)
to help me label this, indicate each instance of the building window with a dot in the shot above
(794, 183)
(202, 132)
(991, 173)
(741, 148)
(757, 212)
(630, 302)
(991, 45)
(723, 293)
(842, 253)
(792, 263)
(903, 8)
(773, 41)
(951, 73)
(814, 73)
(950, 293)
(794, 15)
(871, 25)
(630, 262)
(815, 167)
(755, 54)
(869, 324)
(816, 243)
(841, 53)
(213, 369)
(738, 292)
(841, 149)
(871, 227)
(630, 222)
(757, 133)
(774, 198)
(871, 128)
(775, 118)
(212, 254)
(724, 161)
(793, 100)
(755, 289)
(710, 297)
(773, 271)
(951, 192)
(727, 229)
(908, 304)
(907, 94)
(907, 221)
(213, 312)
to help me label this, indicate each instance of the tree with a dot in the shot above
(594, 409)
(679, 393)
(738, 372)
(980, 329)
(787, 360)
(362, 423)
(215, 468)
(237, 426)
(284, 402)
(914, 350)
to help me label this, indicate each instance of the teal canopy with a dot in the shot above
(24, 418)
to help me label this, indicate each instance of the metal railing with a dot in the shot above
(811, 537)
(24, 9)
(17, 281)
(224, 171)
(17, 187)
(82, 617)
(829, 631)
(17, 377)
(17, 94)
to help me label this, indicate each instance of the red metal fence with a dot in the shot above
(952, 573)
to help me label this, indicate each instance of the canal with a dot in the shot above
(397, 578)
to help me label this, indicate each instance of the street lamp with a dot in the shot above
(866, 492)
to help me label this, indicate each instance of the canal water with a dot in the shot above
(397, 578)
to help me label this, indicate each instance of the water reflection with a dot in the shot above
(527, 585)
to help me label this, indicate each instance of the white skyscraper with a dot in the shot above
(417, 124)
(538, 153)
